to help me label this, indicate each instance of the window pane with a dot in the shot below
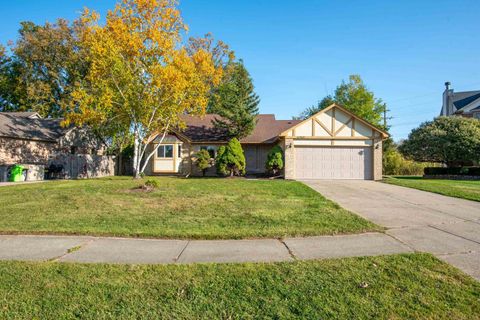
(179, 151)
(212, 152)
(169, 151)
(161, 152)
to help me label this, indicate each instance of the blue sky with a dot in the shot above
(299, 51)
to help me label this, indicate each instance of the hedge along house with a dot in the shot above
(332, 144)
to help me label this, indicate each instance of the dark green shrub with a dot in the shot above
(203, 161)
(275, 160)
(460, 171)
(230, 159)
(449, 140)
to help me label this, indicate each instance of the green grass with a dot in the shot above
(410, 286)
(465, 189)
(179, 208)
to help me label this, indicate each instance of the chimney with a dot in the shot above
(446, 105)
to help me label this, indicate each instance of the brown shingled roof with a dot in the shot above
(201, 129)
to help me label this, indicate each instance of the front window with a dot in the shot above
(212, 150)
(476, 115)
(165, 151)
(179, 151)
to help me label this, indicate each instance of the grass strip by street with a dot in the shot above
(409, 286)
(181, 208)
(465, 189)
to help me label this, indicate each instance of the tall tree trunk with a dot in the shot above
(149, 156)
(120, 164)
(136, 155)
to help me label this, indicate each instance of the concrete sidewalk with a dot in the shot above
(124, 250)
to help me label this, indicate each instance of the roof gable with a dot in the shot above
(472, 105)
(327, 123)
(461, 100)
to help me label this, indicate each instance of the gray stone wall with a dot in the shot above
(15, 151)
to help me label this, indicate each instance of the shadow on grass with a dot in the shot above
(408, 177)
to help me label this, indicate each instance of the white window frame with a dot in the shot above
(163, 147)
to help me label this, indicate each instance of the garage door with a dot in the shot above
(333, 163)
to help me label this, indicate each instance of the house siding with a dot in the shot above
(13, 151)
(256, 157)
(377, 159)
(289, 154)
(255, 154)
(334, 128)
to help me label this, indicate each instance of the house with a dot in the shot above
(466, 104)
(332, 144)
(36, 143)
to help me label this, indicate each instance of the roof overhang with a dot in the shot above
(383, 133)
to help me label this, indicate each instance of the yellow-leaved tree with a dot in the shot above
(141, 75)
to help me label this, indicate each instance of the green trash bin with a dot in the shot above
(16, 173)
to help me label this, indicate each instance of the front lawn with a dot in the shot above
(179, 208)
(465, 189)
(411, 286)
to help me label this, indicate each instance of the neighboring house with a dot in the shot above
(29, 140)
(332, 144)
(466, 104)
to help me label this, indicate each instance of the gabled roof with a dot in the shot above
(463, 99)
(25, 125)
(335, 105)
(23, 114)
(202, 129)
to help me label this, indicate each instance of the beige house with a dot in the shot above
(332, 144)
(37, 143)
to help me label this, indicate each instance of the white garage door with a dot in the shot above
(333, 163)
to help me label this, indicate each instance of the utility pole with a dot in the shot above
(385, 118)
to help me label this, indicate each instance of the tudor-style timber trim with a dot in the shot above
(330, 138)
(333, 122)
(323, 126)
(332, 106)
(343, 126)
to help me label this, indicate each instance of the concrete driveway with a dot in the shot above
(444, 226)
